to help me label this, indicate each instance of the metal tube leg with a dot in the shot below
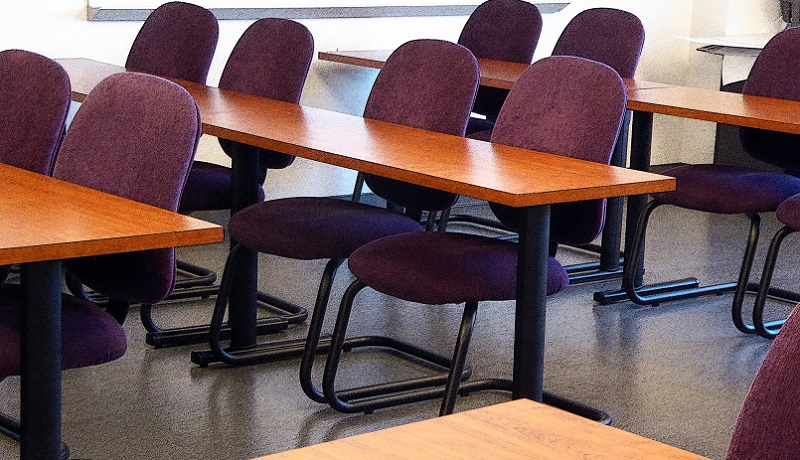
(337, 345)
(641, 142)
(315, 331)
(40, 390)
(769, 331)
(459, 358)
(529, 324)
(744, 275)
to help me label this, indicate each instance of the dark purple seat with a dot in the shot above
(767, 426)
(271, 59)
(504, 30)
(177, 40)
(788, 213)
(428, 84)
(723, 189)
(451, 268)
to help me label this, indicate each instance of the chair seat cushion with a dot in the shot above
(789, 212)
(89, 335)
(726, 189)
(208, 188)
(439, 268)
(314, 228)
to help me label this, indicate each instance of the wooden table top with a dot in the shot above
(49, 219)
(507, 175)
(680, 101)
(497, 74)
(516, 430)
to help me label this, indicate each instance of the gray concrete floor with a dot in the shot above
(676, 373)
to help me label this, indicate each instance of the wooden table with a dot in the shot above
(503, 75)
(644, 99)
(516, 430)
(520, 178)
(46, 220)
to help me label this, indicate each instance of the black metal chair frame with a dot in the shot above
(770, 329)
(372, 397)
(306, 348)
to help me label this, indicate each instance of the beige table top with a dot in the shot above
(48, 219)
(516, 430)
(507, 175)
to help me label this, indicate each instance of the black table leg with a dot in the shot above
(529, 326)
(40, 392)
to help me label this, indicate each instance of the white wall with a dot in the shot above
(58, 28)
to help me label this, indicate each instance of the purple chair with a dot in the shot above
(134, 136)
(177, 40)
(562, 105)
(271, 59)
(147, 159)
(35, 94)
(767, 426)
(427, 84)
(504, 30)
(724, 189)
(788, 213)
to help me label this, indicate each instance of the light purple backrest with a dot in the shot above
(768, 425)
(611, 36)
(427, 84)
(176, 41)
(567, 106)
(271, 59)
(506, 30)
(134, 136)
(34, 101)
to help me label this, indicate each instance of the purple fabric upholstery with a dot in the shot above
(613, 37)
(314, 228)
(774, 75)
(36, 94)
(567, 106)
(135, 136)
(209, 187)
(438, 268)
(789, 212)
(726, 189)
(506, 30)
(428, 84)
(767, 424)
(176, 41)
(89, 335)
(271, 59)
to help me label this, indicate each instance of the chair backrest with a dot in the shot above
(613, 37)
(176, 41)
(568, 106)
(428, 84)
(34, 101)
(774, 74)
(271, 59)
(768, 425)
(505, 30)
(134, 136)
